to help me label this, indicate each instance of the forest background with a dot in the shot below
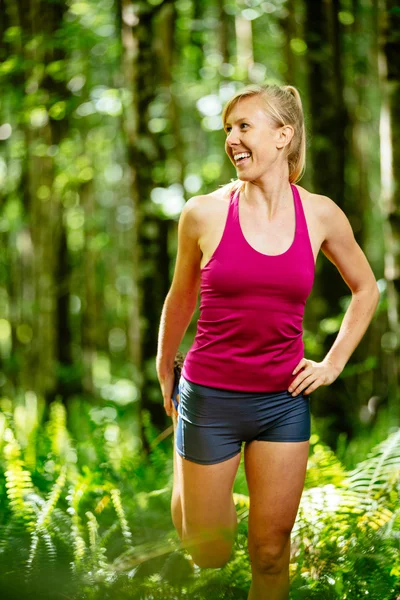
(110, 119)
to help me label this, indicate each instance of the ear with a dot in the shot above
(284, 135)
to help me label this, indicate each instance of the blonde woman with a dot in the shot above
(250, 248)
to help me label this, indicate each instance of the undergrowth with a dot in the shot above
(85, 515)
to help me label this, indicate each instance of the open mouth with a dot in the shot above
(242, 159)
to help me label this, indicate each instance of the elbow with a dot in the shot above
(370, 293)
(378, 296)
(376, 291)
(371, 289)
(375, 294)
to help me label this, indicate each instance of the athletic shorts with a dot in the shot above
(213, 422)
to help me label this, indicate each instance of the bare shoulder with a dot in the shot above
(214, 200)
(340, 246)
(321, 206)
(206, 208)
(330, 218)
(193, 213)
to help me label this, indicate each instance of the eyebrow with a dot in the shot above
(238, 120)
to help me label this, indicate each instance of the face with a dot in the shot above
(249, 130)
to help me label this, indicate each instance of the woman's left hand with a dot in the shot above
(313, 375)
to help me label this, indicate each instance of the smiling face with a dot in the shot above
(249, 130)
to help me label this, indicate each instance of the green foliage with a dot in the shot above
(346, 535)
(97, 532)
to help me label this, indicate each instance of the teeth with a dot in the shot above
(242, 155)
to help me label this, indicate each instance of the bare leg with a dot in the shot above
(202, 507)
(272, 584)
(275, 474)
(176, 502)
(209, 513)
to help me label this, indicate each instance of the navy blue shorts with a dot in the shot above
(213, 422)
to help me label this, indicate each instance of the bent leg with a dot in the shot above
(209, 518)
(176, 502)
(275, 473)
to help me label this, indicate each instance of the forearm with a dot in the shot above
(175, 319)
(355, 323)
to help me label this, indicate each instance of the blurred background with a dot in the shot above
(110, 119)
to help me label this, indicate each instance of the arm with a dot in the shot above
(341, 248)
(181, 299)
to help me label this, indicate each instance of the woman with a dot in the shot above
(252, 247)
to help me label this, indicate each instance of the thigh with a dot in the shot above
(208, 452)
(206, 495)
(275, 473)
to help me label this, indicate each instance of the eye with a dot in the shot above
(228, 128)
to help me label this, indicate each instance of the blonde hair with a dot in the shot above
(284, 107)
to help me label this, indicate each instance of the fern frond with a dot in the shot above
(144, 552)
(18, 481)
(375, 518)
(323, 467)
(74, 497)
(104, 538)
(43, 519)
(116, 500)
(98, 560)
(379, 469)
(42, 555)
(93, 528)
(13, 540)
(57, 430)
(343, 509)
(3, 427)
(60, 527)
(54, 496)
(241, 500)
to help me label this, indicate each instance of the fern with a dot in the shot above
(3, 427)
(116, 500)
(323, 466)
(362, 493)
(97, 562)
(344, 529)
(157, 455)
(74, 497)
(57, 432)
(43, 519)
(345, 541)
(18, 481)
(380, 470)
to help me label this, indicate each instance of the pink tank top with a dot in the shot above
(249, 333)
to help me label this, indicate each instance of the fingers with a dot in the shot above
(301, 385)
(168, 406)
(302, 363)
(313, 387)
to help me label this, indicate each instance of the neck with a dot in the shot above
(270, 197)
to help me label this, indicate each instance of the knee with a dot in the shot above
(270, 557)
(211, 558)
(212, 554)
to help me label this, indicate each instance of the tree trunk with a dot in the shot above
(389, 74)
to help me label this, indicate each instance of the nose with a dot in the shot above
(232, 141)
(232, 138)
